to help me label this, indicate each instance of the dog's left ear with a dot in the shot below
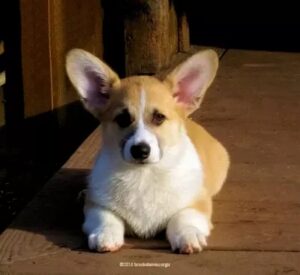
(190, 80)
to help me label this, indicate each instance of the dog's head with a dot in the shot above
(142, 117)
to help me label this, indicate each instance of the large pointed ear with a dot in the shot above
(190, 80)
(92, 79)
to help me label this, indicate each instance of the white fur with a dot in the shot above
(143, 134)
(145, 196)
(104, 229)
(187, 230)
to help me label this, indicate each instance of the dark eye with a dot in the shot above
(123, 119)
(158, 118)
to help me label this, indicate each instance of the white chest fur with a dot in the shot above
(146, 196)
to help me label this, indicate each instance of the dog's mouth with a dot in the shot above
(135, 162)
(141, 162)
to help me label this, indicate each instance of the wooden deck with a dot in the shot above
(254, 109)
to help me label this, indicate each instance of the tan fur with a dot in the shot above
(213, 155)
(215, 161)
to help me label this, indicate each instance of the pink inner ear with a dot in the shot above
(189, 86)
(96, 89)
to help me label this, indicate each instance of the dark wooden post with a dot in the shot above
(183, 33)
(151, 35)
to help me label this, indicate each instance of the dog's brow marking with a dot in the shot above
(142, 108)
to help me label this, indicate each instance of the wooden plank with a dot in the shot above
(208, 262)
(36, 56)
(73, 24)
(274, 182)
(49, 30)
(85, 155)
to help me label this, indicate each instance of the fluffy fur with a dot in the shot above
(172, 187)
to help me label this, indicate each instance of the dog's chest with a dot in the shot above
(146, 199)
(147, 196)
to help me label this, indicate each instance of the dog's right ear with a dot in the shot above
(92, 79)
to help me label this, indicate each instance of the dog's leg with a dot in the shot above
(188, 229)
(105, 230)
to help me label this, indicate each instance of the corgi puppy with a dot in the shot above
(157, 169)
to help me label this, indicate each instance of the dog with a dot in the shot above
(157, 169)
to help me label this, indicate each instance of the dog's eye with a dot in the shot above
(158, 118)
(124, 119)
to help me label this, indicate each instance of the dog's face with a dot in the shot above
(142, 117)
(139, 121)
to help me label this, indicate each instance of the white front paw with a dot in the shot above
(187, 231)
(188, 240)
(107, 239)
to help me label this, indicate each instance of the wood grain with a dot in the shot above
(183, 33)
(85, 155)
(36, 58)
(50, 28)
(73, 24)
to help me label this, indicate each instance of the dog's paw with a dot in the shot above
(108, 239)
(187, 231)
(188, 241)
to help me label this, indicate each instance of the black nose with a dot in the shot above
(140, 151)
